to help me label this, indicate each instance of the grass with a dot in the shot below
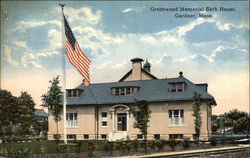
(39, 147)
(45, 147)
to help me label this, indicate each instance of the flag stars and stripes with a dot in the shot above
(77, 58)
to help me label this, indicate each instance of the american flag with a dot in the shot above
(77, 58)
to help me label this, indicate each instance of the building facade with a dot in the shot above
(103, 110)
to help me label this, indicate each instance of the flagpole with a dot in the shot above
(64, 76)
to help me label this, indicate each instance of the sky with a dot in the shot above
(213, 50)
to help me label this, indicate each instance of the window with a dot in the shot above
(69, 93)
(117, 91)
(157, 136)
(122, 91)
(176, 136)
(177, 87)
(139, 136)
(85, 136)
(125, 90)
(176, 117)
(104, 119)
(73, 93)
(104, 123)
(104, 136)
(104, 114)
(71, 136)
(71, 120)
(128, 90)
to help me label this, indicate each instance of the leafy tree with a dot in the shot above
(214, 118)
(52, 99)
(27, 113)
(40, 125)
(141, 115)
(236, 119)
(241, 124)
(235, 114)
(8, 115)
(197, 114)
(215, 126)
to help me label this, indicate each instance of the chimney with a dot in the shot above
(181, 74)
(147, 66)
(136, 68)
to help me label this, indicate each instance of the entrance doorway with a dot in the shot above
(121, 122)
(120, 117)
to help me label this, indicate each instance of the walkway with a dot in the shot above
(195, 152)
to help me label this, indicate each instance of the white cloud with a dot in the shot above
(224, 27)
(22, 44)
(133, 9)
(47, 54)
(35, 64)
(127, 10)
(84, 14)
(29, 24)
(216, 51)
(148, 39)
(31, 56)
(182, 30)
(55, 43)
(9, 58)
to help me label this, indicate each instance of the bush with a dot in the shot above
(159, 144)
(128, 146)
(43, 149)
(212, 141)
(172, 143)
(135, 144)
(91, 148)
(186, 143)
(197, 141)
(109, 146)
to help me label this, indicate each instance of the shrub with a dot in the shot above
(212, 141)
(152, 144)
(172, 143)
(197, 141)
(91, 148)
(186, 143)
(135, 144)
(128, 146)
(3, 151)
(159, 144)
(78, 146)
(43, 149)
(109, 146)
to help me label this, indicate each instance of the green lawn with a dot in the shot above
(37, 147)
(47, 147)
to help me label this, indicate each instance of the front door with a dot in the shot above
(121, 122)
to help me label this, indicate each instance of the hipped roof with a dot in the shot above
(150, 90)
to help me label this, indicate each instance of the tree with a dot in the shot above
(197, 114)
(8, 115)
(27, 114)
(235, 114)
(215, 126)
(40, 125)
(141, 115)
(52, 99)
(241, 124)
(236, 119)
